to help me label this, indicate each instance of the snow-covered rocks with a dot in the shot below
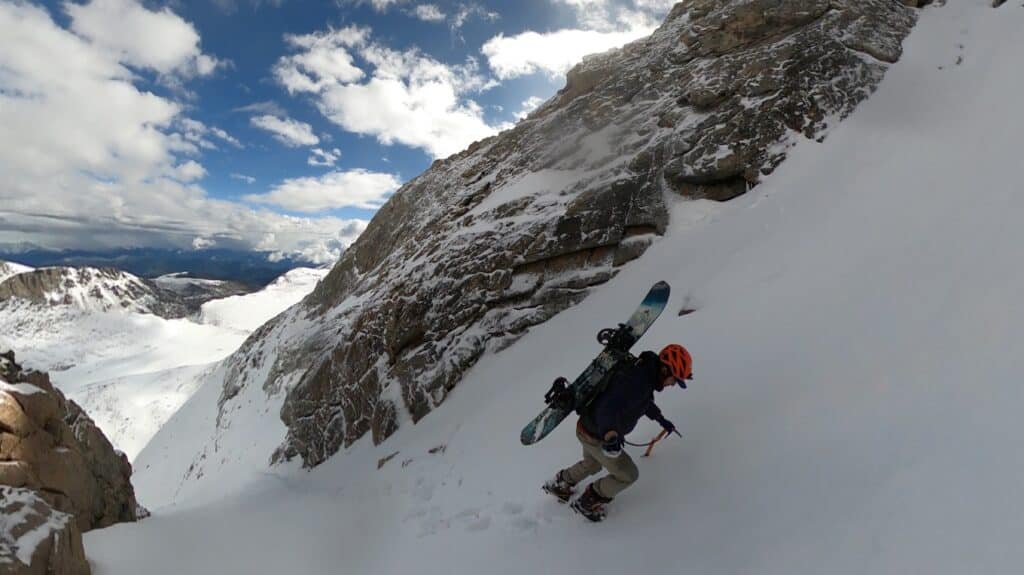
(517, 228)
(36, 539)
(91, 289)
(48, 444)
(108, 289)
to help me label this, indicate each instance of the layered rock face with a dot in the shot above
(49, 445)
(36, 539)
(501, 237)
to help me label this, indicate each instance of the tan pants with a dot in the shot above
(622, 472)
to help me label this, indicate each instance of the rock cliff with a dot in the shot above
(486, 243)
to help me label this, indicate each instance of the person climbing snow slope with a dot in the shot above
(604, 424)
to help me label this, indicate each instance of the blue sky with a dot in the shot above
(277, 126)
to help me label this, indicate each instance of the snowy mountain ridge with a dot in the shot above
(91, 289)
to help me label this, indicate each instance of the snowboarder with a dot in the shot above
(604, 424)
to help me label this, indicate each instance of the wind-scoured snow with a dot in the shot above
(855, 408)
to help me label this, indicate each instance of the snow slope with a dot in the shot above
(855, 408)
(248, 312)
(80, 346)
(131, 409)
(132, 371)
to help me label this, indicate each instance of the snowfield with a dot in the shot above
(248, 312)
(132, 371)
(855, 409)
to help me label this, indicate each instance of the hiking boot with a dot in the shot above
(559, 487)
(591, 505)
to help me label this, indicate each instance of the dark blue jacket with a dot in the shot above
(629, 395)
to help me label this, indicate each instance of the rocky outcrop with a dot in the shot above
(501, 237)
(48, 444)
(36, 539)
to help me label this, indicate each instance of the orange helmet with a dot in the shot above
(678, 361)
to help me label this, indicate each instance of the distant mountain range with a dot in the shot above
(250, 268)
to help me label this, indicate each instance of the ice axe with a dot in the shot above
(650, 445)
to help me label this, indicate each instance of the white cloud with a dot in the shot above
(200, 243)
(351, 189)
(429, 13)
(603, 25)
(291, 133)
(77, 112)
(469, 10)
(323, 158)
(91, 161)
(243, 177)
(404, 97)
(657, 6)
(219, 133)
(323, 60)
(618, 15)
(378, 5)
(529, 105)
(189, 171)
(321, 251)
(156, 40)
(553, 53)
(195, 132)
(382, 5)
(268, 107)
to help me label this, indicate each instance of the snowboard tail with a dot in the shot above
(592, 381)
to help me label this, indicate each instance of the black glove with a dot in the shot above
(668, 426)
(612, 447)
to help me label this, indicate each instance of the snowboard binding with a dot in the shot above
(620, 337)
(560, 396)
